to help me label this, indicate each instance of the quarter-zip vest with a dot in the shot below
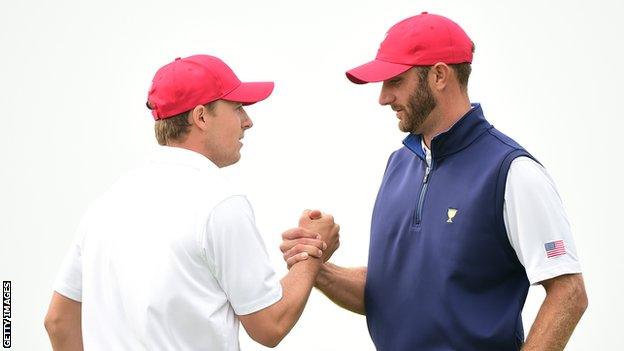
(442, 274)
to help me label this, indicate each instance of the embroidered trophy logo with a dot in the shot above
(451, 214)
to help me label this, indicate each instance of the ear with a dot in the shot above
(441, 75)
(199, 117)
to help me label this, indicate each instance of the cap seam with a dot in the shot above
(229, 91)
(393, 62)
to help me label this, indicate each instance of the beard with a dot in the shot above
(419, 106)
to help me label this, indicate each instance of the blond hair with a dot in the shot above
(176, 128)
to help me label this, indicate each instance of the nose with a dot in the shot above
(247, 123)
(385, 97)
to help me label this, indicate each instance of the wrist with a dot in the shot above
(322, 278)
(311, 265)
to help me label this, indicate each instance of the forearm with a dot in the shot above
(296, 288)
(67, 340)
(557, 317)
(271, 324)
(344, 286)
(63, 323)
(65, 334)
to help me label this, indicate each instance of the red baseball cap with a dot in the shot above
(421, 40)
(197, 80)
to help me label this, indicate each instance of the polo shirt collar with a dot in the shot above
(182, 157)
(460, 135)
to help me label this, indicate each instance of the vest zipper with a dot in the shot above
(421, 198)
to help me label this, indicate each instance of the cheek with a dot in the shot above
(403, 100)
(234, 133)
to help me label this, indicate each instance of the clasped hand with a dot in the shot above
(317, 236)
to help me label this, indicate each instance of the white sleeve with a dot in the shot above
(69, 279)
(240, 261)
(536, 223)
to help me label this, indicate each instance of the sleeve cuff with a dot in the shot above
(537, 276)
(269, 299)
(69, 292)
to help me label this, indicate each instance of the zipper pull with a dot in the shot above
(426, 178)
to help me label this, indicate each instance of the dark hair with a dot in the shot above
(462, 71)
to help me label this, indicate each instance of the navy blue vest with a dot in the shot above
(441, 272)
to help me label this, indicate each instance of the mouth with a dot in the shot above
(398, 111)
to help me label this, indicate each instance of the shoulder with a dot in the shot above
(504, 139)
(233, 205)
(529, 180)
(526, 171)
(233, 211)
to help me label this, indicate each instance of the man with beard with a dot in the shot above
(465, 219)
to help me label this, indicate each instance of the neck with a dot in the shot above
(448, 111)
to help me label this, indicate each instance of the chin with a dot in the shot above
(235, 159)
(228, 162)
(404, 128)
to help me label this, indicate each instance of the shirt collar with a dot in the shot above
(426, 151)
(182, 157)
(459, 136)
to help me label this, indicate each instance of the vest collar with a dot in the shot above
(459, 136)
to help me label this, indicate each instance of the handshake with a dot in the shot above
(317, 236)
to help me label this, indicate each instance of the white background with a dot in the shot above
(73, 82)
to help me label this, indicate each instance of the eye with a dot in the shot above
(240, 111)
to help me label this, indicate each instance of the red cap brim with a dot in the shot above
(250, 93)
(376, 71)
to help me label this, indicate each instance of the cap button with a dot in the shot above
(178, 58)
(424, 13)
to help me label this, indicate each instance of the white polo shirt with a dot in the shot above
(166, 260)
(536, 223)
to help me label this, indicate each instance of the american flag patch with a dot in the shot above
(555, 248)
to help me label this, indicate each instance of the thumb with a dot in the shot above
(315, 214)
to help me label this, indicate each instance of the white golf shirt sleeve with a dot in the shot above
(536, 223)
(239, 258)
(69, 279)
